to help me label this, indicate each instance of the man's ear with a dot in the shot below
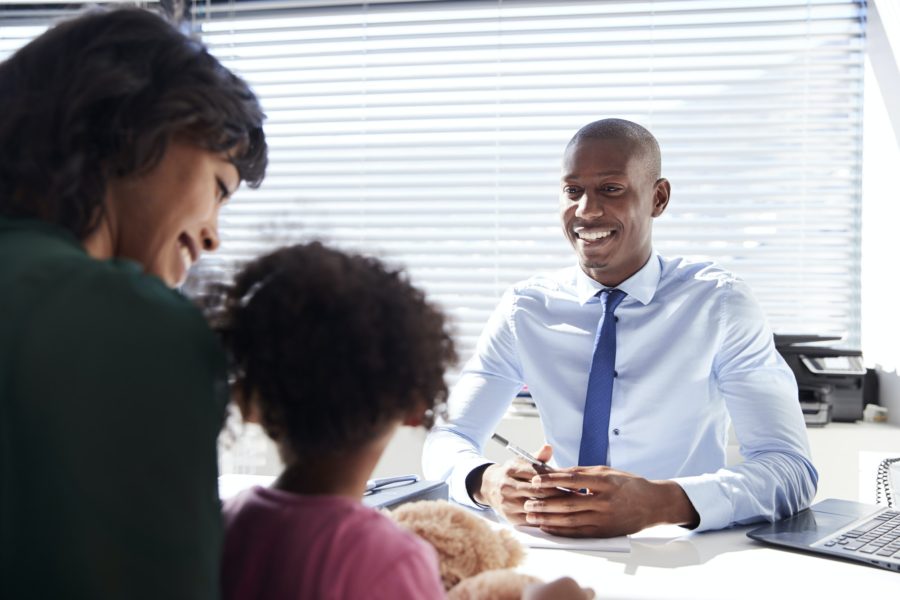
(661, 193)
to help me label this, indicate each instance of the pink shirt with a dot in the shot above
(280, 545)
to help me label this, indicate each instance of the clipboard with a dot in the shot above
(391, 492)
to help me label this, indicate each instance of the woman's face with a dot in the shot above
(165, 218)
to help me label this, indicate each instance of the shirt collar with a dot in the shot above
(641, 286)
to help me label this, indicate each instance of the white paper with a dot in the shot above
(533, 537)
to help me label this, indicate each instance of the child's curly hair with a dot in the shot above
(333, 347)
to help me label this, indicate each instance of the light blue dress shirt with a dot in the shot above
(694, 353)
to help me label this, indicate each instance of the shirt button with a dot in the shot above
(615, 373)
(616, 431)
(617, 319)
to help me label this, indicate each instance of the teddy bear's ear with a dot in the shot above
(498, 584)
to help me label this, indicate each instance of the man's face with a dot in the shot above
(608, 200)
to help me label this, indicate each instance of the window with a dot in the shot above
(430, 134)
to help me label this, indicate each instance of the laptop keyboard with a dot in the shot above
(879, 536)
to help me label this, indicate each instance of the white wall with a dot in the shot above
(881, 203)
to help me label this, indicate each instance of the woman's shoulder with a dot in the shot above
(112, 308)
(119, 291)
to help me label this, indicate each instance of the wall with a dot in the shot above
(881, 203)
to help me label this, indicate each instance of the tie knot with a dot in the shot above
(613, 298)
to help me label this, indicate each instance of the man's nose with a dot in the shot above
(589, 205)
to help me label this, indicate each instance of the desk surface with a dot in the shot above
(665, 562)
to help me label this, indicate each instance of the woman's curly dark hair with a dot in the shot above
(100, 96)
(333, 347)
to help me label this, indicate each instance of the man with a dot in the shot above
(634, 361)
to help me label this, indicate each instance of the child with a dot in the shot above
(332, 352)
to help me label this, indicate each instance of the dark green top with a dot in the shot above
(112, 393)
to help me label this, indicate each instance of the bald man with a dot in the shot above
(637, 364)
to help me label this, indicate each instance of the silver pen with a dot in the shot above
(373, 485)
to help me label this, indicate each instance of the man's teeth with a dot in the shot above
(593, 235)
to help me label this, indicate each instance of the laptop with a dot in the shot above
(842, 529)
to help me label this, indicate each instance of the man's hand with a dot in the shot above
(615, 503)
(505, 487)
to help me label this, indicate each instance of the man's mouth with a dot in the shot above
(590, 234)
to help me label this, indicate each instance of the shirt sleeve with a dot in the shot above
(131, 383)
(485, 389)
(777, 477)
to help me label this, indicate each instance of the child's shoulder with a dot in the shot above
(348, 521)
(339, 542)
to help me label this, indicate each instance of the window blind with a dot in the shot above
(430, 134)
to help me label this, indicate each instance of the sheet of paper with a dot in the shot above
(533, 537)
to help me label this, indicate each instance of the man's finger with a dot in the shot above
(572, 520)
(545, 453)
(573, 480)
(567, 503)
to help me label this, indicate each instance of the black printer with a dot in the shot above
(831, 381)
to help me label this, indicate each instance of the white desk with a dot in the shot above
(666, 562)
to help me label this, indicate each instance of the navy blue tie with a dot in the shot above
(595, 428)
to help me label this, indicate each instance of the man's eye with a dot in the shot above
(571, 190)
(611, 189)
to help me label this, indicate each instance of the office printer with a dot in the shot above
(831, 381)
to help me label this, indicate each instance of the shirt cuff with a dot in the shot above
(705, 493)
(457, 481)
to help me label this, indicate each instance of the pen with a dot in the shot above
(539, 465)
(373, 485)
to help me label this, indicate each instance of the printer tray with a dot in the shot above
(392, 497)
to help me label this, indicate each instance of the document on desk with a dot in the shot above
(533, 537)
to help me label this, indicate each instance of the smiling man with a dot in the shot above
(637, 364)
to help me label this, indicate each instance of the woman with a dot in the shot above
(120, 139)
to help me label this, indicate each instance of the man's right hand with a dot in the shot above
(505, 487)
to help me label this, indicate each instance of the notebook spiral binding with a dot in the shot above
(883, 482)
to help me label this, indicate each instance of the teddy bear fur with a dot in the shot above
(469, 550)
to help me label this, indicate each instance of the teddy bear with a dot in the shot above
(476, 560)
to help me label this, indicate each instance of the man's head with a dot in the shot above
(610, 192)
